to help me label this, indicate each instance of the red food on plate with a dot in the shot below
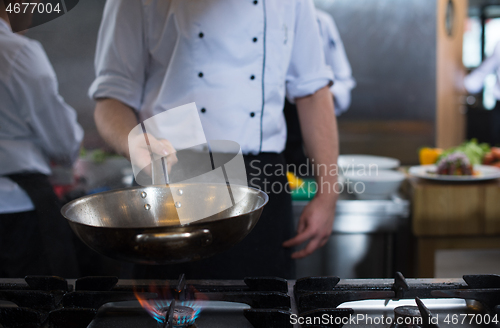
(495, 151)
(488, 159)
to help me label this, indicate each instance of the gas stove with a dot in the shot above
(98, 302)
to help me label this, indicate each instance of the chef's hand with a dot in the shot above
(315, 225)
(141, 157)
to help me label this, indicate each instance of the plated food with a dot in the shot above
(456, 163)
(474, 151)
(468, 162)
(480, 173)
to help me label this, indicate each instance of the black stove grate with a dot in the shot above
(314, 295)
(52, 302)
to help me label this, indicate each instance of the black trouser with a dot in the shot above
(39, 242)
(260, 253)
(21, 253)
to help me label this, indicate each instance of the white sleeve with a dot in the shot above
(121, 55)
(336, 58)
(474, 81)
(307, 72)
(53, 122)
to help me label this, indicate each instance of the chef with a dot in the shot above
(236, 59)
(474, 83)
(336, 58)
(36, 128)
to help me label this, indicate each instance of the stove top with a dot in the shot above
(98, 302)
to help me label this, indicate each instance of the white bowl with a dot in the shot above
(350, 162)
(373, 184)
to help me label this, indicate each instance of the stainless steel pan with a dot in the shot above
(119, 224)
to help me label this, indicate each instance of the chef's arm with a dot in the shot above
(474, 82)
(341, 92)
(319, 131)
(114, 121)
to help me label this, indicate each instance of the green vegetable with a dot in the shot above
(98, 156)
(474, 151)
(83, 152)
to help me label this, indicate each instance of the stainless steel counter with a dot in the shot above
(366, 239)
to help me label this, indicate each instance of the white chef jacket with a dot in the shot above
(234, 58)
(336, 58)
(36, 125)
(474, 81)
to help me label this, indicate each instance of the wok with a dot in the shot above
(120, 225)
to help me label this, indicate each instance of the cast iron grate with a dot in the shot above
(41, 301)
(312, 295)
(51, 302)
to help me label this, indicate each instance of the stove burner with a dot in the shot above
(183, 316)
(54, 302)
(407, 317)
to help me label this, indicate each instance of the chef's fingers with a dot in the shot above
(313, 245)
(160, 147)
(168, 146)
(300, 238)
(172, 157)
(301, 226)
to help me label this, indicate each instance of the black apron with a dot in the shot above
(53, 231)
(260, 253)
(294, 150)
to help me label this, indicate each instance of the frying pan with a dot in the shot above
(127, 225)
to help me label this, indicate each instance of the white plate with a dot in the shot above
(486, 172)
(349, 162)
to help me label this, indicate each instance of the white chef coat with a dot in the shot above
(36, 125)
(336, 58)
(234, 58)
(474, 81)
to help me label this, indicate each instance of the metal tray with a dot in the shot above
(131, 315)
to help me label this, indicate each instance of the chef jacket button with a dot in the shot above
(203, 110)
(252, 77)
(201, 35)
(252, 114)
(200, 74)
(254, 39)
(255, 2)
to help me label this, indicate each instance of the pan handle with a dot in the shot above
(203, 236)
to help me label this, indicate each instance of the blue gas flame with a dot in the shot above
(156, 309)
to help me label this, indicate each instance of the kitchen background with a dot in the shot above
(399, 52)
(392, 47)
